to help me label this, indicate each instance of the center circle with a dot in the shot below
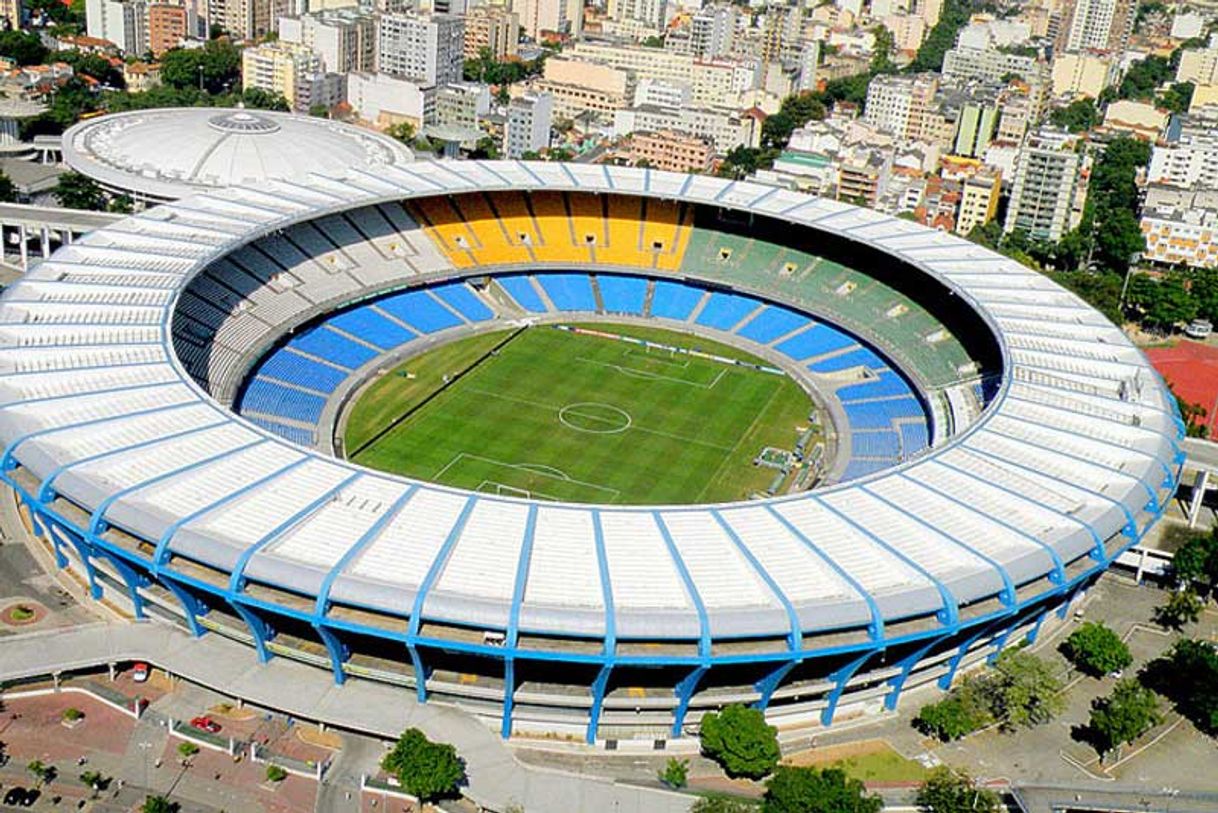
(595, 418)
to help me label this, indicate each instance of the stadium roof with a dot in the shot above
(174, 152)
(1077, 447)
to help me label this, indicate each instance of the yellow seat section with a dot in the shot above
(494, 247)
(446, 228)
(557, 238)
(588, 222)
(623, 227)
(516, 218)
(680, 224)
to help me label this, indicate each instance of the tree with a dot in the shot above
(95, 781)
(274, 773)
(946, 790)
(403, 131)
(942, 36)
(722, 804)
(675, 773)
(121, 204)
(1197, 559)
(187, 749)
(158, 804)
(811, 790)
(426, 769)
(1144, 77)
(43, 774)
(319, 111)
(1177, 97)
(653, 42)
(76, 191)
(1026, 693)
(1188, 676)
(8, 189)
(22, 47)
(1183, 607)
(962, 712)
(1096, 650)
(216, 66)
(1126, 714)
(741, 741)
(1077, 117)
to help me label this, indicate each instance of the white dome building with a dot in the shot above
(165, 154)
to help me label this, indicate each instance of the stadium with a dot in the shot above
(975, 445)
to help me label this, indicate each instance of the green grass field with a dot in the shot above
(561, 416)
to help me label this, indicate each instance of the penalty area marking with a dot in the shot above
(613, 420)
(549, 472)
(647, 375)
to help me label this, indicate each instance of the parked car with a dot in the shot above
(140, 672)
(206, 724)
(1199, 329)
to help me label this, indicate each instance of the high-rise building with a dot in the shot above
(461, 104)
(978, 200)
(494, 28)
(529, 119)
(426, 48)
(10, 12)
(899, 103)
(1189, 159)
(168, 26)
(652, 13)
(292, 70)
(712, 31)
(344, 38)
(122, 22)
(809, 60)
(1046, 178)
(539, 17)
(250, 19)
(1104, 25)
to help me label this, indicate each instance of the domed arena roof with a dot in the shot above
(170, 153)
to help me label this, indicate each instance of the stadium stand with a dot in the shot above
(520, 288)
(622, 294)
(569, 292)
(672, 300)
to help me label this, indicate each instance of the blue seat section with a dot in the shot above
(875, 444)
(291, 368)
(293, 433)
(771, 323)
(418, 310)
(569, 292)
(862, 357)
(913, 438)
(520, 289)
(273, 399)
(861, 468)
(887, 384)
(907, 407)
(816, 341)
(622, 294)
(723, 311)
(332, 347)
(372, 327)
(461, 298)
(672, 300)
(869, 415)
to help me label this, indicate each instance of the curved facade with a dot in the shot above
(609, 621)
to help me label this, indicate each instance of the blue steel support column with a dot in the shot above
(131, 578)
(966, 645)
(513, 627)
(416, 610)
(192, 608)
(258, 628)
(601, 683)
(338, 651)
(907, 665)
(684, 690)
(1034, 633)
(766, 686)
(84, 552)
(840, 678)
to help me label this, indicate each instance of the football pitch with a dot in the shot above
(557, 415)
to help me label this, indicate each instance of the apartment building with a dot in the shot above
(344, 38)
(493, 28)
(429, 49)
(1044, 186)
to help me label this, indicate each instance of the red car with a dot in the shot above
(139, 672)
(206, 724)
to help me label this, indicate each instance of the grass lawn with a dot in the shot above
(563, 416)
(868, 761)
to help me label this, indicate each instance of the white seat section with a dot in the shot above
(1024, 481)
(641, 569)
(69, 335)
(86, 441)
(319, 249)
(425, 257)
(919, 543)
(877, 570)
(69, 411)
(485, 559)
(1078, 445)
(563, 568)
(403, 552)
(182, 496)
(721, 575)
(344, 235)
(1061, 417)
(49, 359)
(797, 570)
(964, 523)
(1025, 511)
(136, 466)
(1055, 464)
(325, 535)
(68, 382)
(249, 518)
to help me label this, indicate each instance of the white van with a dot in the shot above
(1199, 329)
